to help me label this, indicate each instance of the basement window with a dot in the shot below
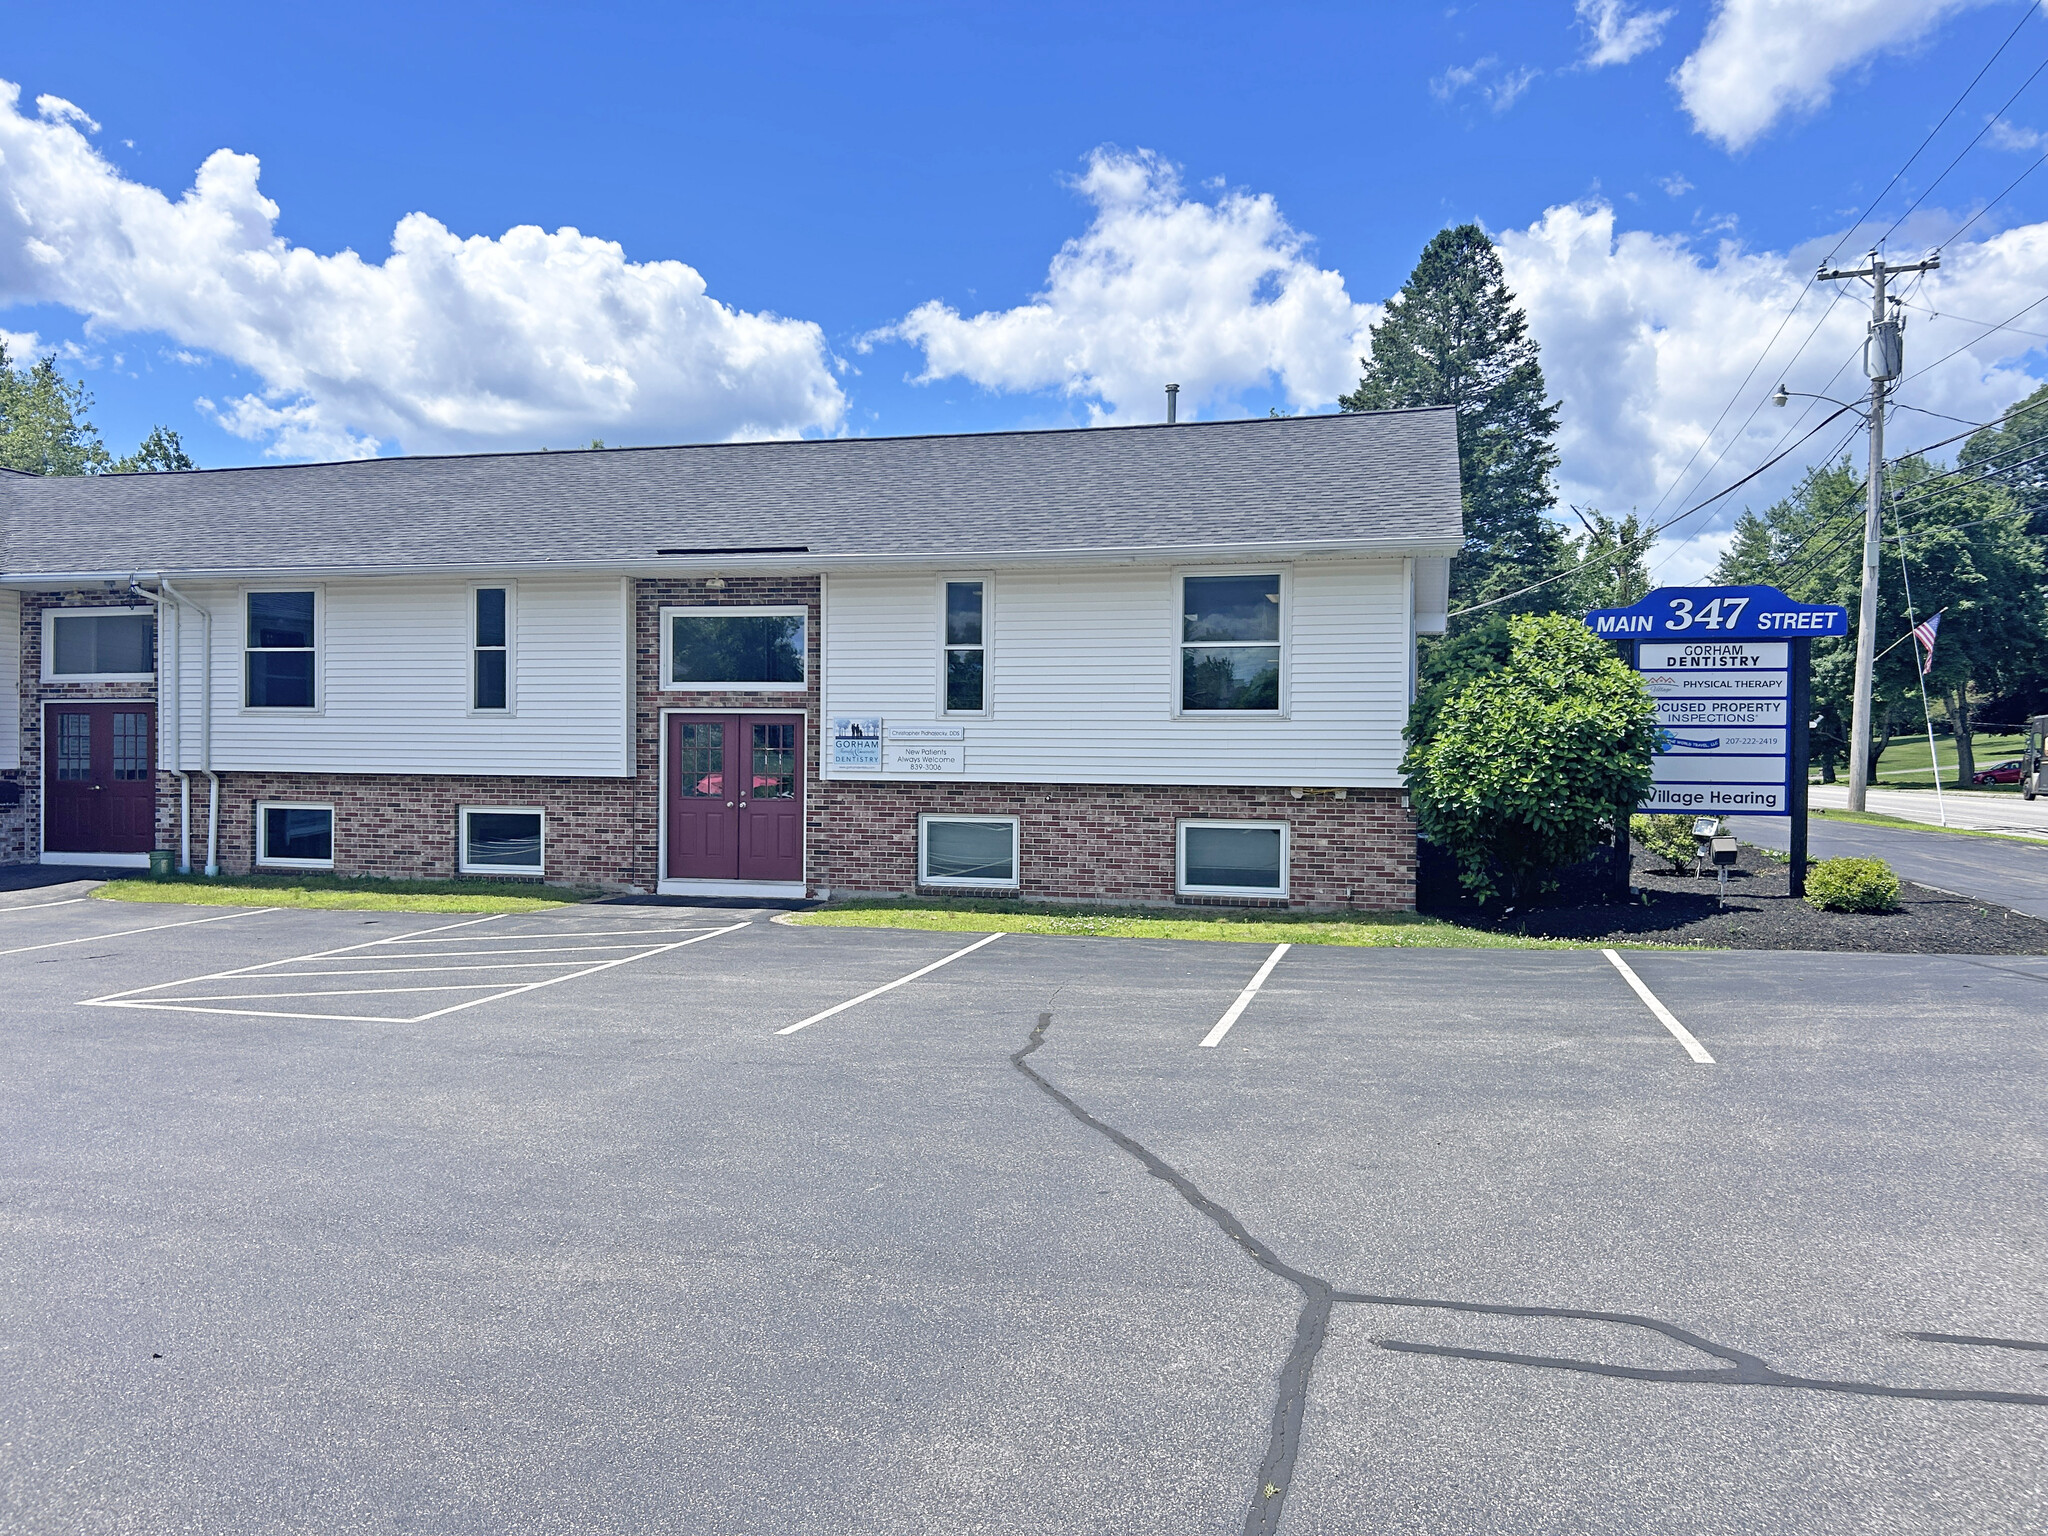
(502, 840)
(967, 850)
(1233, 858)
(295, 836)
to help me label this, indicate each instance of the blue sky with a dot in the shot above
(1245, 184)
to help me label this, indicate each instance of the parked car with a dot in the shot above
(2000, 773)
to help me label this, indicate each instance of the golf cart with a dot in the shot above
(2034, 766)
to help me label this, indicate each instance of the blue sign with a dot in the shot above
(1718, 613)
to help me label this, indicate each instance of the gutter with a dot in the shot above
(657, 565)
(180, 600)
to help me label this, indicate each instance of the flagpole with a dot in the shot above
(1926, 711)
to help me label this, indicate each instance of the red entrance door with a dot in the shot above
(735, 797)
(99, 778)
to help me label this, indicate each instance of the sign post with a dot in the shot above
(1730, 669)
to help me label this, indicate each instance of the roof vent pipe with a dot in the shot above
(1172, 403)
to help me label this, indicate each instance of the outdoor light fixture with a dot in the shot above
(1780, 398)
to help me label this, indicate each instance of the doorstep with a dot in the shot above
(778, 888)
(99, 860)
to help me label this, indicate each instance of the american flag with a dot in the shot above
(1924, 633)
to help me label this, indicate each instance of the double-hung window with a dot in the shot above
(490, 682)
(966, 647)
(280, 656)
(1230, 643)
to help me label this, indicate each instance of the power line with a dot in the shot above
(2015, 96)
(2036, 304)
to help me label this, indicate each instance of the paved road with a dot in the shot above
(2004, 810)
(2010, 874)
(1447, 1241)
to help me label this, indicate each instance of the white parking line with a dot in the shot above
(95, 938)
(136, 998)
(1679, 1032)
(1215, 1036)
(791, 1029)
(44, 906)
(249, 970)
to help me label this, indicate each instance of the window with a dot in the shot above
(1230, 642)
(967, 850)
(298, 835)
(491, 648)
(501, 841)
(966, 673)
(753, 648)
(280, 654)
(1233, 858)
(131, 744)
(102, 645)
(74, 747)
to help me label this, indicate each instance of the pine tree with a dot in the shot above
(1454, 336)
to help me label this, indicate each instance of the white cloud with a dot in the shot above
(55, 109)
(1619, 34)
(1645, 339)
(1763, 58)
(2005, 135)
(1218, 297)
(448, 344)
(1500, 88)
(1675, 184)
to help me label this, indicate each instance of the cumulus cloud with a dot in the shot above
(1218, 297)
(1646, 338)
(1763, 58)
(1618, 33)
(450, 343)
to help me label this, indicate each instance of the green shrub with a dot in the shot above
(1669, 837)
(1852, 885)
(1524, 765)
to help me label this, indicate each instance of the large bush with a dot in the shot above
(1852, 885)
(1524, 767)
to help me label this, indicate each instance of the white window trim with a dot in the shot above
(462, 815)
(511, 591)
(50, 617)
(243, 650)
(1016, 854)
(733, 611)
(1286, 575)
(988, 613)
(263, 859)
(1266, 893)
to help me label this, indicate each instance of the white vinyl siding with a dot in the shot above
(396, 668)
(1082, 669)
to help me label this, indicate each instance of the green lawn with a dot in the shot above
(1385, 930)
(347, 893)
(1872, 819)
(1904, 764)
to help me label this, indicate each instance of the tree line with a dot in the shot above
(45, 429)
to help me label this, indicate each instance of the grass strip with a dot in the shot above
(1382, 930)
(345, 892)
(1874, 819)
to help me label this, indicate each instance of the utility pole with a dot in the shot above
(1883, 361)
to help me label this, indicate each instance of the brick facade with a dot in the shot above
(1096, 842)
(1077, 842)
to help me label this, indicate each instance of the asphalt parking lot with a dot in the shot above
(620, 1219)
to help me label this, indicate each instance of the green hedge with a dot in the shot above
(1852, 885)
(1669, 837)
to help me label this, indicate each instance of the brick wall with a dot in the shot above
(21, 825)
(1103, 842)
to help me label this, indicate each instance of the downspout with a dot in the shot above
(168, 702)
(205, 724)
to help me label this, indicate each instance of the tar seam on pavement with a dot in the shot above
(1276, 1468)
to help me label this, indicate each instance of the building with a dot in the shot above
(1131, 664)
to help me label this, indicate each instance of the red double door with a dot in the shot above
(735, 797)
(99, 778)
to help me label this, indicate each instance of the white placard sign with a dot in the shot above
(927, 733)
(1713, 655)
(1716, 685)
(899, 756)
(1718, 799)
(1710, 714)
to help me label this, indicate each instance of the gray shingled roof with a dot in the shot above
(1378, 480)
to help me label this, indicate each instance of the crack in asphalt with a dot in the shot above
(1319, 1297)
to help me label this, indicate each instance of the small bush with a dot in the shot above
(1669, 837)
(1852, 885)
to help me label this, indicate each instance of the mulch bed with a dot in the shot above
(1759, 913)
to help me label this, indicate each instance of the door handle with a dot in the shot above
(728, 805)
(743, 805)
